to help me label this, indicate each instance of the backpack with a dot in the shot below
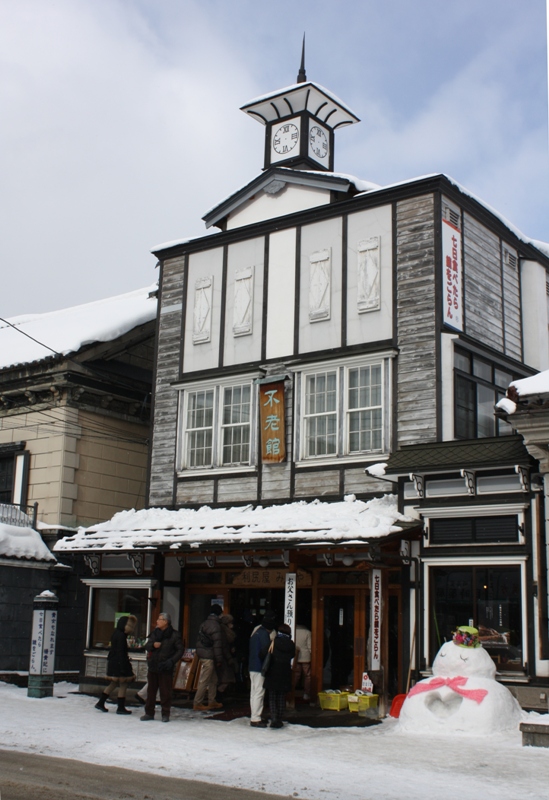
(204, 640)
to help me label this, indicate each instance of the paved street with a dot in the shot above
(24, 776)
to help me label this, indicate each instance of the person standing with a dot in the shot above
(119, 668)
(278, 679)
(209, 649)
(164, 649)
(303, 659)
(260, 641)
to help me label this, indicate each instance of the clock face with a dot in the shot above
(318, 142)
(285, 138)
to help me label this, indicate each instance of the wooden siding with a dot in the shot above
(483, 289)
(358, 482)
(164, 440)
(195, 492)
(237, 489)
(511, 305)
(416, 321)
(276, 481)
(317, 484)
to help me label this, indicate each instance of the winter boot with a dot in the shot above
(101, 703)
(122, 706)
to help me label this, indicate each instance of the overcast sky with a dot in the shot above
(120, 122)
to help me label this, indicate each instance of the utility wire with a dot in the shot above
(24, 333)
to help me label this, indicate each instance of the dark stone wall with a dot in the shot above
(18, 588)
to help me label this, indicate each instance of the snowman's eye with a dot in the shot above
(463, 659)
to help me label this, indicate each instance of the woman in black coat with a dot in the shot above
(119, 668)
(278, 679)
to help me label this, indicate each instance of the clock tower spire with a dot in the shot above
(301, 76)
(299, 123)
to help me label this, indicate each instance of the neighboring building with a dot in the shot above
(331, 326)
(75, 390)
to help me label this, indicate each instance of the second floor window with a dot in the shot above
(479, 385)
(217, 426)
(343, 410)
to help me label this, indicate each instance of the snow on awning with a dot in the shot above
(23, 543)
(290, 525)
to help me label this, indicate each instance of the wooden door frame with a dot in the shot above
(361, 595)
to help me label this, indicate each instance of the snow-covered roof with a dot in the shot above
(306, 96)
(363, 187)
(24, 543)
(67, 330)
(523, 389)
(312, 523)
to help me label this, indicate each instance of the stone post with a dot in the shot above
(42, 653)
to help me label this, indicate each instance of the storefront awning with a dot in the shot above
(290, 525)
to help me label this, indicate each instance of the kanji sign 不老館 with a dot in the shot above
(272, 420)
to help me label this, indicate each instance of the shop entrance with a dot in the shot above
(343, 637)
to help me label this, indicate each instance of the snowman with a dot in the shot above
(463, 695)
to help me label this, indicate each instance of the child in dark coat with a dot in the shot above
(278, 679)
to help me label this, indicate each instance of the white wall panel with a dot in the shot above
(205, 354)
(239, 346)
(324, 332)
(281, 294)
(365, 325)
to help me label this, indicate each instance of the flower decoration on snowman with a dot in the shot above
(463, 695)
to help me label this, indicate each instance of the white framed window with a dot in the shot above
(343, 409)
(217, 425)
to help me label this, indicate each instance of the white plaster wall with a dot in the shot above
(239, 349)
(447, 378)
(323, 334)
(281, 294)
(266, 206)
(534, 315)
(206, 354)
(370, 326)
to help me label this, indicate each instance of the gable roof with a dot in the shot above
(35, 337)
(276, 178)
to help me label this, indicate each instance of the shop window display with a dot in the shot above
(487, 597)
(108, 605)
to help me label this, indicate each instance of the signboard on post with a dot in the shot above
(42, 653)
(375, 620)
(272, 421)
(289, 601)
(452, 276)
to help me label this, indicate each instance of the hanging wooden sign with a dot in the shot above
(272, 421)
(269, 578)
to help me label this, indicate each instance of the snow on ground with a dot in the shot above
(319, 764)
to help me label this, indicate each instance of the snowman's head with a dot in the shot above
(454, 660)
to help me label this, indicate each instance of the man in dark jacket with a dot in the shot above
(164, 649)
(209, 649)
(260, 641)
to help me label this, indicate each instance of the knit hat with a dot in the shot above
(216, 609)
(269, 620)
(465, 636)
(285, 629)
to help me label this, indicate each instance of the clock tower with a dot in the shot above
(299, 124)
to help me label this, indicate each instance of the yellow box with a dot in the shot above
(360, 702)
(335, 702)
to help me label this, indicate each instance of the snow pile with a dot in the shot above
(377, 470)
(462, 697)
(69, 329)
(16, 542)
(295, 761)
(316, 522)
(535, 384)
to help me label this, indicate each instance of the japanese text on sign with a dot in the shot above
(375, 620)
(289, 601)
(452, 293)
(272, 420)
(42, 655)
